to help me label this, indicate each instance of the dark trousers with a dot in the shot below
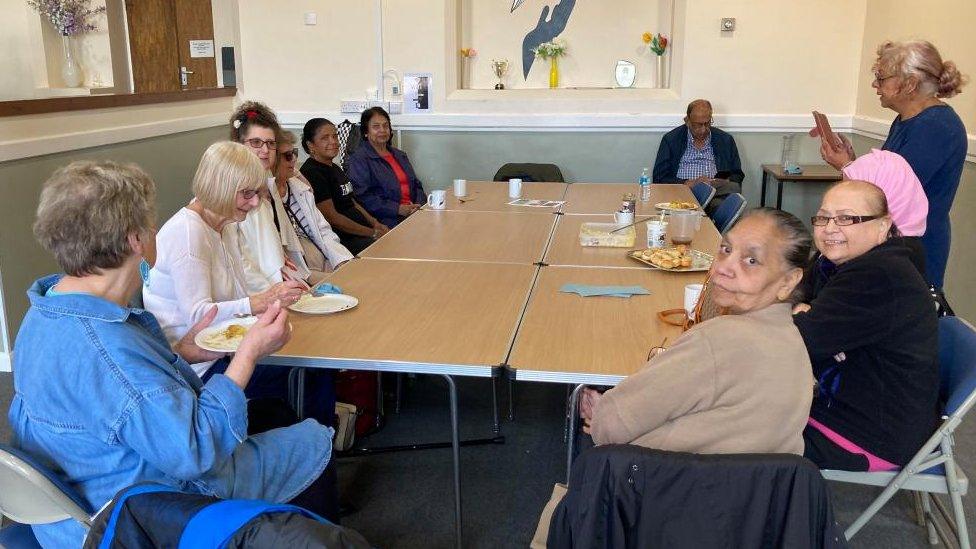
(827, 455)
(355, 243)
(271, 383)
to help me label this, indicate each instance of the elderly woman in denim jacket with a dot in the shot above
(381, 174)
(102, 398)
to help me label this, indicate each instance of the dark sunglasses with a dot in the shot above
(290, 155)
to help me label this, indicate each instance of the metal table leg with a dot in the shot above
(571, 443)
(456, 448)
(779, 194)
(399, 392)
(511, 397)
(762, 196)
(495, 424)
(300, 395)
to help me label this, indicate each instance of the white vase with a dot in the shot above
(662, 72)
(70, 71)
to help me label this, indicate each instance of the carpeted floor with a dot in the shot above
(405, 499)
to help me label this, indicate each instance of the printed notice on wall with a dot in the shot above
(201, 48)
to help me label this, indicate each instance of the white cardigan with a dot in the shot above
(322, 234)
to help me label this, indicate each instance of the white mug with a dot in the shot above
(437, 200)
(692, 293)
(515, 188)
(460, 187)
(623, 218)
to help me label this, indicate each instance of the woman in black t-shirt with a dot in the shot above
(334, 197)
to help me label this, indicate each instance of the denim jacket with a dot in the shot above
(101, 399)
(377, 187)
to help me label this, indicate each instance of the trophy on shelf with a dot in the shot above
(500, 67)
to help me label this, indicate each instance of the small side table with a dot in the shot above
(811, 172)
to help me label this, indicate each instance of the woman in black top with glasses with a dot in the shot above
(871, 329)
(333, 191)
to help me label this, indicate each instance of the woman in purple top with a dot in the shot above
(911, 79)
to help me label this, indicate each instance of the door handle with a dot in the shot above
(183, 74)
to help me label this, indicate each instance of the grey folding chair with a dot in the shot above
(933, 470)
(31, 494)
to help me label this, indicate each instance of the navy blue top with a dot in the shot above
(934, 144)
(673, 146)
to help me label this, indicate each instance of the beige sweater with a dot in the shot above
(734, 384)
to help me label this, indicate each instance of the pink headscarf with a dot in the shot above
(892, 174)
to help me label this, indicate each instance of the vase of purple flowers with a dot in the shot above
(69, 18)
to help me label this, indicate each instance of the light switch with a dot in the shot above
(311, 18)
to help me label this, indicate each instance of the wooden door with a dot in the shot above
(194, 22)
(160, 35)
(152, 45)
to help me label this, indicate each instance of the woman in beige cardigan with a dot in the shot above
(739, 383)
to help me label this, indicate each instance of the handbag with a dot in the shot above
(705, 308)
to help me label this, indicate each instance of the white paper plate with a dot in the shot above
(324, 304)
(212, 338)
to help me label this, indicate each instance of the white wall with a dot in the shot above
(785, 57)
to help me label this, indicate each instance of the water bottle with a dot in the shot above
(645, 186)
(788, 154)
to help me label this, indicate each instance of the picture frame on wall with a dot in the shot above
(417, 92)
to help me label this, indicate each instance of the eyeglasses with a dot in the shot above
(878, 79)
(290, 155)
(841, 220)
(248, 194)
(256, 143)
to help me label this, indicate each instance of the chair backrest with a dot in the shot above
(530, 172)
(703, 193)
(957, 364)
(31, 494)
(349, 137)
(728, 211)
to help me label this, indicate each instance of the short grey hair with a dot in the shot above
(88, 210)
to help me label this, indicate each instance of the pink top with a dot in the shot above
(892, 174)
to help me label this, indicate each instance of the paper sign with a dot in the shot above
(201, 48)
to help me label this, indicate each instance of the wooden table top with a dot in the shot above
(606, 198)
(565, 249)
(597, 340)
(811, 172)
(445, 235)
(492, 196)
(415, 316)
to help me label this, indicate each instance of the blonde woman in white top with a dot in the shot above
(195, 270)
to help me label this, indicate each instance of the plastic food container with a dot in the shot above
(598, 234)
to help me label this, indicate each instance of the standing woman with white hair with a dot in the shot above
(911, 79)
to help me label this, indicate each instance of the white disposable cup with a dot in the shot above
(623, 218)
(460, 187)
(692, 293)
(657, 233)
(515, 188)
(437, 200)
